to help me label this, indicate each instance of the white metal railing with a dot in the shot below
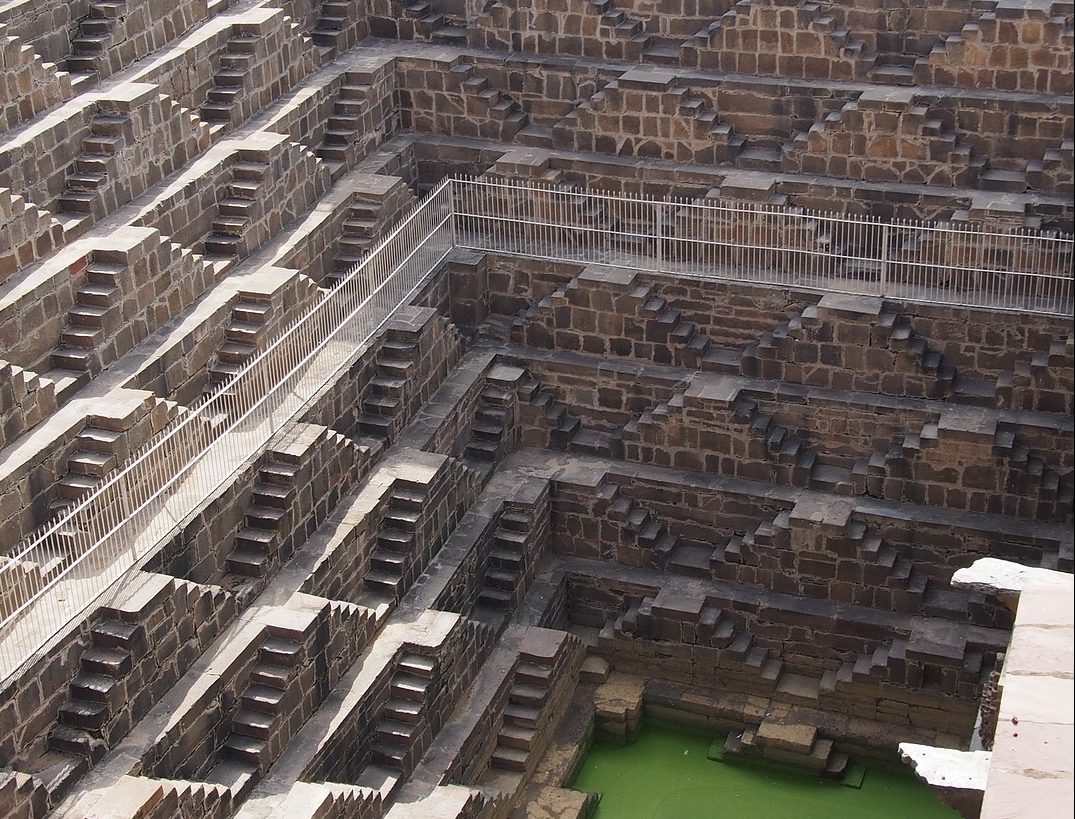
(51, 577)
(951, 263)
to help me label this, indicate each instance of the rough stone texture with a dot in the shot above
(545, 500)
(96, 300)
(31, 86)
(98, 152)
(107, 42)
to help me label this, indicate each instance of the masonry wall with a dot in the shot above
(25, 400)
(149, 137)
(31, 86)
(156, 282)
(46, 26)
(27, 233)
(174, 623)
(33, 482)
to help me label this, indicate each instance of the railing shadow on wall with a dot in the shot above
(48, 579)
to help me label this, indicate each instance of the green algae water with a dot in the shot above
(665, 774)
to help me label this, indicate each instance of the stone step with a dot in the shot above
(513, 736)
(403, 710)
(409, 687)
(262, 698)
(280, 651)
(85, 715)
(93, 464)
(496, 598)
(255, 724)
(418, 665)
(115, 634)
(523, 694)
(391, 755)
(99, 688)
(111, 662)
(511, 759)
(272, 675)
(526, 716)
(69, 740)
(246, 749)
(392, 732)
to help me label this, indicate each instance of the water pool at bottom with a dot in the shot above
(664, 774)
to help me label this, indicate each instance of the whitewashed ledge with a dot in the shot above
(1031, 770)
(959, 777)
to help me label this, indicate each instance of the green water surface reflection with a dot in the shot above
(665, 774)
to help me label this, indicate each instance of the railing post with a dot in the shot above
(884, 258)
(660, 237)
(452, 215)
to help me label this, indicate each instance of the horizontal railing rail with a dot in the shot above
(951, 263)
(51, 577)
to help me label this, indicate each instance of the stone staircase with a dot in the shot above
(221, 106)
(664, 325)
(434, 26)
(852, 130)
(781, 740)
(529, 707)
(968, 57)
(342, 130)
(888, 329)
(398, 740)
(258, 543)
(714, 628)
(38, 84)
(1033, 385)
(883, 566)
(616, 24)
(246, 330)
(29, 232)
(1055, 171)
(490, 432)
(125, 652)
(667, 325)
(203, 799)
(96, 311)
(1030, 488)
(89, 48)
(945, 379)
(1032, 474)
(495, 106)
(658, 546)
(86, 726)
(383, 401)
(83, 201)
(332, 31)
(706, 125)
(793, 464)
(901, 337)
(396, 540)
(266, 703)
(370, 215)
(225, 241)
(23, 794)
(26, 399)
(501, 587)
(102, 445)
(563, 427)
(750, 548)
(729, 45)
(901, 662)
